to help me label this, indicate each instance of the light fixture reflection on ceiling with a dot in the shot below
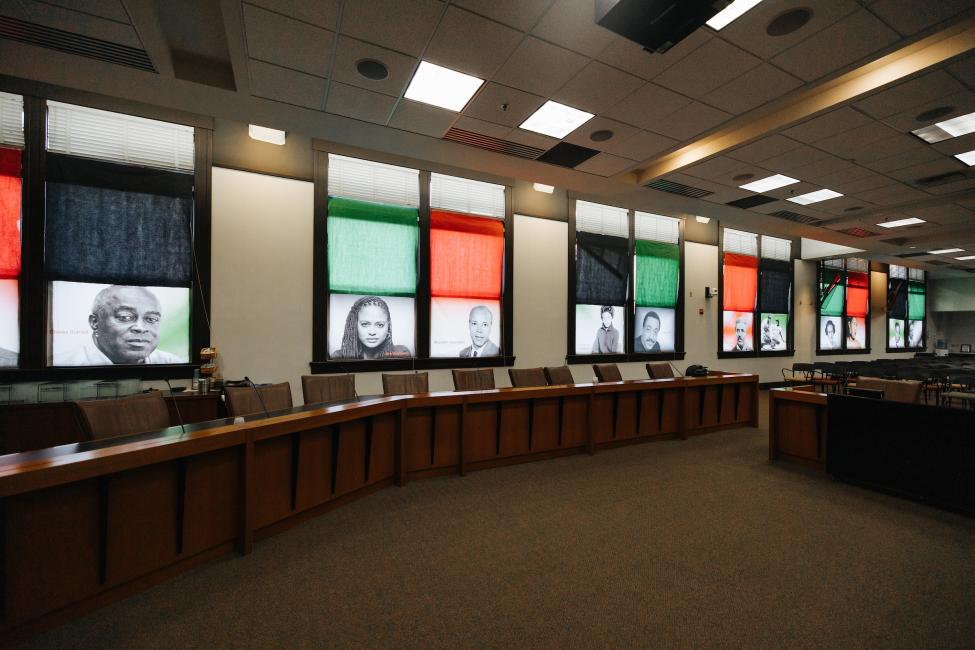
(968, 157)
(956, 126)
(768, 184)
(556, 120)
(438, 86)
(910, 221)
(942, 251)
(815, 197)
(731, 13)
(541, 187)
(701, 219)
(264, 134)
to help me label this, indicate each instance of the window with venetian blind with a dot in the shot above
(11, 193)
(906, 308)
(601, 278)
(844, 305)
(656, 263)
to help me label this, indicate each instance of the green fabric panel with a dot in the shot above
(915, 301)
(372, 248)
(833, 304)
(657, 274)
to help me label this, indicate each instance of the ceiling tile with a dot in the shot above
(961, 144)
(604, 164)
(961, 104)
(351, 51)
(837, 46)
(487, 105)
(828, 124)
(754, 88)
(358, 103)
(964, 69)
(531, 139)
(597, 87)
(286, 42)
(405, 30)
(712, 65)
(826, 168)
(539, 67)
(793, 159)
(422, 118)
(482, 127)
(846, 175)
(909, 16)
(850, 145)
(111, 9)
(323, 13)
(840, 205)
(647, 105)
(571, 24)
(640, 146)
(767, 147)
(722, 169)
(892, 195)
(471, 44)
(864, 183)
(690, 121)
(726, 195)
(924, 170)
(748, 32)
(520, 14)
(621, 133)
(898, 144)
(285, 85)
(626, 55)
(911, 157)
(909, 94)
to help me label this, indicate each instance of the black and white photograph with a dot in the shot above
(102, 325)
(774, 332)
(855, 333)
(896, 333)
(830, 333)
(371, 327)
(654, 329)
(599, 329)
(9, 330)
(465, 328)
(915, 333)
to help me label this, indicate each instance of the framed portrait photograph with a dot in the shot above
(856, 332)
(737, 332)
(599, 329)
(830, 332)
(371, 327)
(915, 333)
(465, 328)
(103, 324)
(655, 330)
(773, 332)
(896, 333)
(9, 328)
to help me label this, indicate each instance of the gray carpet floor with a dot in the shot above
(694, 544)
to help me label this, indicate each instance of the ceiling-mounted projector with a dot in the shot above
(657, 25)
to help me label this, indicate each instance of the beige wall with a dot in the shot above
(262, 293)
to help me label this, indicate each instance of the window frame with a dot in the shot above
(34, 288)
(790, 350)
(924, 332)
(843, 319)
(629, 330)
(421, 360)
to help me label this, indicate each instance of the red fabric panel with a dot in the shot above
(10, 193)
(466, 256)
(857, 294)
(740, 282)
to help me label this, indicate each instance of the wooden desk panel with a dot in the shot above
(797, 427)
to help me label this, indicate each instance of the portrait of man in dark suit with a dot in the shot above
(480, 322)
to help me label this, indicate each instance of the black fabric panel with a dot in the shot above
(602, 264)
(95, 234)
(775, 286)
(897, 298)
(98, 173)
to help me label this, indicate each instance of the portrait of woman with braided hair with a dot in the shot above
(368, 332)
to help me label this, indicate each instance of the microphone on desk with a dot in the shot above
(179, 416)
(260, 397)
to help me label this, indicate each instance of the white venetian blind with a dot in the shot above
(858, 264)
(354, 178)
(898, 271)
(602, 219)
(834, 264)
(466, 195)
(655, 227)
(92, 133)
(11, 120)
(774, 248)
(916, 274)
(738, 241)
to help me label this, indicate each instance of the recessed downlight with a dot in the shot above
(935, 113)
(788, 22)
(855, 208)
(601, 135)
(741, 178)
(372, 69)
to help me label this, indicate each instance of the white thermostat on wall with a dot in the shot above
(710, 292)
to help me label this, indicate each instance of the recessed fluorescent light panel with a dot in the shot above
(956, 126)
(968, 157)
(556, 120)
(731, 13)
(815, 197)
(264, 134)
(541, 187)
(442, 87)
(899, 223)
(700, 219)
(769, 184)
(966, 258)
(942, 251)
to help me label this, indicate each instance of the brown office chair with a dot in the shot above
(316, 389)
(526, 377)
(662, 370)
(418, 382)
(559, 375)
(480, 379)
(244, 400)
(607, 372)
(109, 418)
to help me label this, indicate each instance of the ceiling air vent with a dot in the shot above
(795, 217)
(752, 201)
(896, 241)
(906, 255)
(492, 144)
(938, 263)
(943, 179)
(678, 188)
(56, 39)
(858, 232)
